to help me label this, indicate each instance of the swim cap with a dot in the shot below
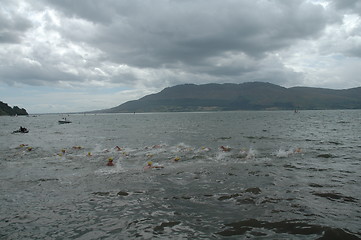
(110, 159)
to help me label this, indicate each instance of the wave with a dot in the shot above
(294, 227)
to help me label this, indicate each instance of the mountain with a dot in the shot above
(244, 96)
(6, 110)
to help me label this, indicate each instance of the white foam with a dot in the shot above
(251, 153)
(284, 153)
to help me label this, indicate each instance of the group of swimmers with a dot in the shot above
(150, 165)
(27, 147)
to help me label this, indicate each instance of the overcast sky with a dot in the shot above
(65, 56)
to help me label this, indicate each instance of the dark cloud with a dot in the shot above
(35, 75)
(103, 12)
(12, 26)
(354, 49)
(149, 45)
(163, 33)
(347, 4)
(349, 41)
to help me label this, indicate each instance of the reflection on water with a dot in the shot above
(241, 175)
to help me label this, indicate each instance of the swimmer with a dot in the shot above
(225, 148)
(125, 154)
(176, 159)
(110, 162)
(206, 149)
(150, 165)
(118, 148)
(297, 150)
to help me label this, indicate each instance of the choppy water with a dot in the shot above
(286, 176)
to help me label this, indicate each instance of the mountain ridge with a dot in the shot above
(243, 96)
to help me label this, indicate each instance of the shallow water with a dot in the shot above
(285, 176)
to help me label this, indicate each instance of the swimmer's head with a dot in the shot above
(110, 159)
(149, 163)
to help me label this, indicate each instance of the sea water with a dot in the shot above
(221, 175)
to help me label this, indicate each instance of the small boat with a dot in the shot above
(64, 121)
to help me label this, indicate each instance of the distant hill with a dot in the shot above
(244, 96)
(6, 110)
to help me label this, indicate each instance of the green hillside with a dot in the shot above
(6, 110)
(245, 96)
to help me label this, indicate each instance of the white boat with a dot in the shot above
(64, 121)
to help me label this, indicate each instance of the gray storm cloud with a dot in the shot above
(12, 26)
(155, 44)
(166, 33)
